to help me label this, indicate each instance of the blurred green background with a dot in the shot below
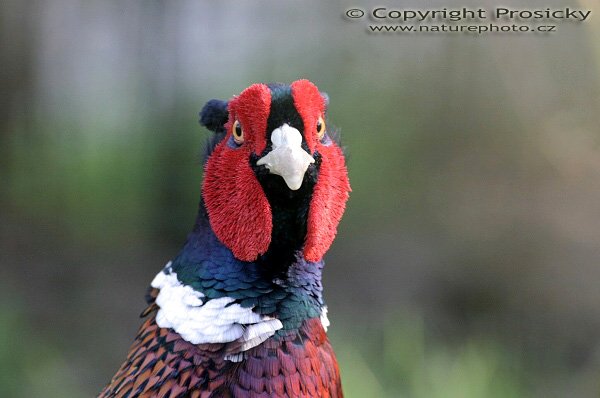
(468, 261)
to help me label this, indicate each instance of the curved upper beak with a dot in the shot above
(287, 158)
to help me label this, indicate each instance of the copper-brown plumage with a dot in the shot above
(161, 364)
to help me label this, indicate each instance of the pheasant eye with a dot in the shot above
(238, 133)
(320, 128)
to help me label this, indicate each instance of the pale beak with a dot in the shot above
(287, 158)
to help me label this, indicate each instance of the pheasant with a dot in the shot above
(239, 311)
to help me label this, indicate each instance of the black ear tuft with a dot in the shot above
(325, 98)
(214, 115)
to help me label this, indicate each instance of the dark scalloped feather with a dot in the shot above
(161, 364)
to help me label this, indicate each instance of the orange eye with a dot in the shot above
(238, 133)
(321, 128)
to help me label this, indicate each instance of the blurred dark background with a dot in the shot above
(468, 261)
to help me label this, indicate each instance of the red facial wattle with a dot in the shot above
(238, 209)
